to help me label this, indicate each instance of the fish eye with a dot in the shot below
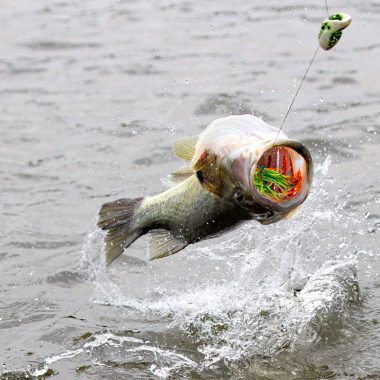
(199, 175)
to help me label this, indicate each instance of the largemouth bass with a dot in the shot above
(235, 173)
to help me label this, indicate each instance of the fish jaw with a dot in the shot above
(242, 166)
(296, 162)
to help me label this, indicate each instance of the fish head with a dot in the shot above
(271, 180)
(236, 159)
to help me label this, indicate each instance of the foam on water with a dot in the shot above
(266, 300)
(94, 94)
(165, 361)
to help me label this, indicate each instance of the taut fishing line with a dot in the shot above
(327, 9)
(329, 35)
(280, 175)
(295, 96)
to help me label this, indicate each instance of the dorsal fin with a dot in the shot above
(180, 174)
(164, 243)
(185, 148)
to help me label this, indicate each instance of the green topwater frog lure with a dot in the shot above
(331, 30)
(282, 183)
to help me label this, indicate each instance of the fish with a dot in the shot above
(238, 169)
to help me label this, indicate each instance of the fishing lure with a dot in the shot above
(329, 35)
(331, 30)
(274, 184)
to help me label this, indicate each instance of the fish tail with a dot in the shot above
(117, 218)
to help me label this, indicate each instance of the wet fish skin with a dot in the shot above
(188, 211)
(182, 215)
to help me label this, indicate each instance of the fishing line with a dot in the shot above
(329, 35)
(295, 96)
(327, 9)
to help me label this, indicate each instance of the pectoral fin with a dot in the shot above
(180, 175)
(185, 148)
(163, 243)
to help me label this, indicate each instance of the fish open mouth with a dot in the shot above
(282, 175)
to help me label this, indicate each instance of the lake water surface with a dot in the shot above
(93, 95)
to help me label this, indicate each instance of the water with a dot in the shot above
(93, 95)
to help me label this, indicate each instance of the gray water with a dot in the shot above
(93, 95)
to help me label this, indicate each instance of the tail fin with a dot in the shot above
(117, 218)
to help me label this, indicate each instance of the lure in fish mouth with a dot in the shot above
(234, 172)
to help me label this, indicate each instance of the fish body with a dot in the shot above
(216, 190)
(178, 217)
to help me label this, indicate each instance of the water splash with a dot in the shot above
(100, 350)
(272, 292)
(94, 264)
